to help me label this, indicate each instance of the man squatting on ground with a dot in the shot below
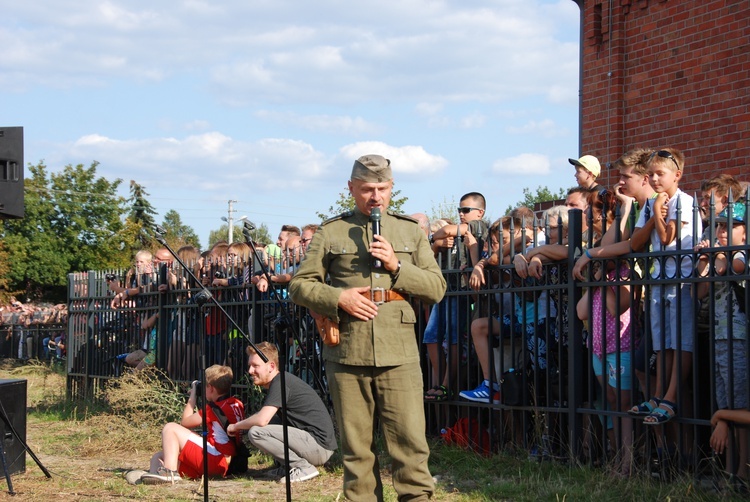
(312, 438)
(374, 373)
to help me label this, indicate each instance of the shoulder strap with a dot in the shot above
(219, 414)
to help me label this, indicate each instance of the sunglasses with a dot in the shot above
(465, 210)
(666, 155)
(305, 240)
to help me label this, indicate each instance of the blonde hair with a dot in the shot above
(220, 378)
(556, 214)
(268, 349)
(675, 163)
(436, 225)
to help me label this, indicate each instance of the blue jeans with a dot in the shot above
(446, 317)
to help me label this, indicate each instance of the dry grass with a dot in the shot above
(88, 448)
(146, 398)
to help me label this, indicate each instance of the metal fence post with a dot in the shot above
(576, 364)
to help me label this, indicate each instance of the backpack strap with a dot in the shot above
(219, 414)
(223, 419)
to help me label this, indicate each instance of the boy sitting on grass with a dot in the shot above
(182, 449)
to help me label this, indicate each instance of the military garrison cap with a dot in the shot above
(372, 169)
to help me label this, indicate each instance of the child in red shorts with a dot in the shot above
(182, 449)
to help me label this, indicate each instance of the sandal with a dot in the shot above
(666, 411)
(429, 394)
(442, 394)
(646, 408)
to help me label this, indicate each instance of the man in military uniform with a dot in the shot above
(375, 367)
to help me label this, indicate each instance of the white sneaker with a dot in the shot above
(134, 477)
(162, 477)
(296, 474)
(275, 473)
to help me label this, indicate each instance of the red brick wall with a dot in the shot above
(660, 73)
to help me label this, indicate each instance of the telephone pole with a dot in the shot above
(230, 220)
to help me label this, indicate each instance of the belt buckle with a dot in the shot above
(382, 295)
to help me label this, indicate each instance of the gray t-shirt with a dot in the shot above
(305, 409)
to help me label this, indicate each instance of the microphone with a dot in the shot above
(248, 236)
(160, 230)
(375, 220)
(249, 225)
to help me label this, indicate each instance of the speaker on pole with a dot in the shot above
(11, 172)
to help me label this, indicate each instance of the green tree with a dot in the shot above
(89, 218)
(260, 235)
(5, 291)
(543, 194)
(179, 234)
(345, 203)
(445, 210)
(141, 212)
(73, 222)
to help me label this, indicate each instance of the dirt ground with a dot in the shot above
(88, 458)
(102, 478)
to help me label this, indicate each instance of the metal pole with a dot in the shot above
(230, 222)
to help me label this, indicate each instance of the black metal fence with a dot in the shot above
(549, 401)
(32, 341)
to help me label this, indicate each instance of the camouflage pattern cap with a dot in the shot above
(372, 169)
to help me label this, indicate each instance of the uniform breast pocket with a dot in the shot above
(404, 249)
(346, 260)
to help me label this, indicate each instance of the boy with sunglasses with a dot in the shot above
(472, 227)
(671, 330)
(469, 237)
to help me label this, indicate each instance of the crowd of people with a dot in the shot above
(654, 272)
(33, 331)
(626, 323)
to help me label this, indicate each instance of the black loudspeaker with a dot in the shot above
(11, 172)
(13, 407)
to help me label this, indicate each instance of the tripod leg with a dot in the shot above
(13, 430)
(5, 468)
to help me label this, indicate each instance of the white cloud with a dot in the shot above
(210, 160)
(428, 109)
(283, 51)
(270, 101)
(545, 128)
(525, 164)
(473, 121)
(332, 124)
(412, 161)
(197, 125)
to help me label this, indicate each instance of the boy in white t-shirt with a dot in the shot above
(658, 224)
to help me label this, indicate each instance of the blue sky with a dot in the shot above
(269, 102)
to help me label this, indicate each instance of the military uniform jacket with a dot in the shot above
(339, 250)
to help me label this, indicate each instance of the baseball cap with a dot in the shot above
(589, 163)
(738, 213)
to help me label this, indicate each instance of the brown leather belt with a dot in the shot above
(380, 295)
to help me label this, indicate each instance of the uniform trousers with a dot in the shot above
(362, 395)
